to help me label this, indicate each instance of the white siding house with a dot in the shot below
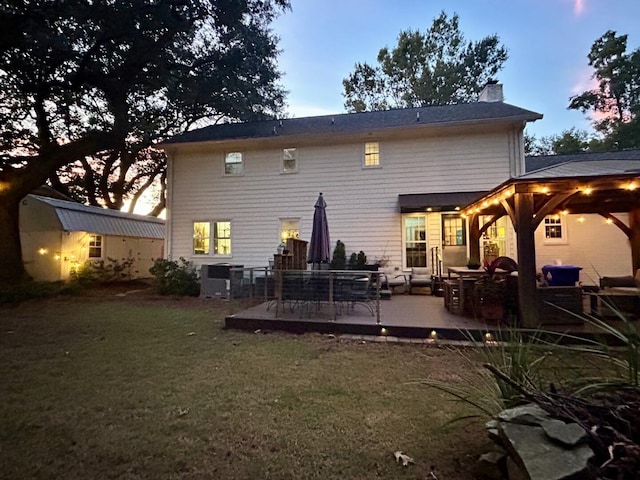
(235, 190)
(59, 235)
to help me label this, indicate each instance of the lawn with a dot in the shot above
(105, 386)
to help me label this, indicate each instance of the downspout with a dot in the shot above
(168, 224)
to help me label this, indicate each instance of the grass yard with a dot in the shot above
(102, 386)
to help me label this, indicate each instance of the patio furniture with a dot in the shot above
(420, 278)
(619, 295)
(560, 305)
(392, 278)
(466, 277)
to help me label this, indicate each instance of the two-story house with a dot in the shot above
(394, 182)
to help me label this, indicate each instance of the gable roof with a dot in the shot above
(536, 162)
(75, 217)
(443, 115)
(586, 168)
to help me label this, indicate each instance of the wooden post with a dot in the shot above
(527, 288)
(634, 238)
(474, 237)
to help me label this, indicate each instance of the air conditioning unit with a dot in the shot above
(215, 280)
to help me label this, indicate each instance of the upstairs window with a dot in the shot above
(289, 160)
(95, 246)
(371, 154)
(233, 163)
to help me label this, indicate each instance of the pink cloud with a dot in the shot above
(578, 7)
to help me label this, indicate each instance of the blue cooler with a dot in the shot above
(561, 275)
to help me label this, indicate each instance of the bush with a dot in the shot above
(339, 261)
(94, 272)
(173, 278)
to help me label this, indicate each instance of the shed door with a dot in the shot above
(454, 240)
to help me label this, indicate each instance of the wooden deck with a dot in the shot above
(402, 316)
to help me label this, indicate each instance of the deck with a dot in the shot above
(402, 316)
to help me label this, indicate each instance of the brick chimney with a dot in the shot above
(492, 92)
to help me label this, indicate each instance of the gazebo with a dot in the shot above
(604, 187)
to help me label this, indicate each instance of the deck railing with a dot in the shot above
(309, 294)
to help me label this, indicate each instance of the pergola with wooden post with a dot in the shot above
(607, 188)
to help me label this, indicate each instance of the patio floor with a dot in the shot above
(402, 316)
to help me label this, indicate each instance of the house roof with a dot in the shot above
(586, 168)
(542, 161)
(75, 217)
(437, 202)
(459, 114)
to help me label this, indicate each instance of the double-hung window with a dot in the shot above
(555, 229)
(371, 155)
(233, 163)
(212, 238)
(289, 160)
(95, 246)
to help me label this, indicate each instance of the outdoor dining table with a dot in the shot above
(464, 272)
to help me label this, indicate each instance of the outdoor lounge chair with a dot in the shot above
(421, 278)
(392, 278)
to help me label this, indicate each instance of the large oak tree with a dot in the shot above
(103, 80)
(437, 67)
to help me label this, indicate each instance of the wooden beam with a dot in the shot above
(491, 221)
(617, 222)
(549, 206)
(510, 211)
(634, 225)
(527, 287)
(474, 236)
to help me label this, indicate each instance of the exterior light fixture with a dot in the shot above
(457, 209)
(433, 335)
(581, 219)
(488, 337)
(587, 190)
(565, 212)
(42, 251)
(383, 331)
(609, 221)
(429, 209)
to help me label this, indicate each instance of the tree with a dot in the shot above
(435, 68)
(616, 99)
(103, 80)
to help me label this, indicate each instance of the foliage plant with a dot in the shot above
(171, 277)
(357, 261)
(87, 87)
(339, 259)
(94, 272)
(437, 67)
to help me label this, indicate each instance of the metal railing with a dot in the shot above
(309, 294)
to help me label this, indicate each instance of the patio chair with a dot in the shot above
(420, 277)
(392, 278)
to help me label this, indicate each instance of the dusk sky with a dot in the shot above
(548, 42)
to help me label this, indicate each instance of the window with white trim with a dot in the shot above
(233, 164)
(555, 229)
(289, 160)
(415, 240)
(371, 155)
(201, 238)
(222, 238)
(289, 228)
(95, 246)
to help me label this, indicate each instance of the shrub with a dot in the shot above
(175, 278)
(339, 261)
(94, 272)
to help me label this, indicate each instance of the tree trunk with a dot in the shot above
(11, 267)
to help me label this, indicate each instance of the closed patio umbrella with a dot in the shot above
(319, 245)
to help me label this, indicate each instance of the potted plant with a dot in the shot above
(473, 263)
